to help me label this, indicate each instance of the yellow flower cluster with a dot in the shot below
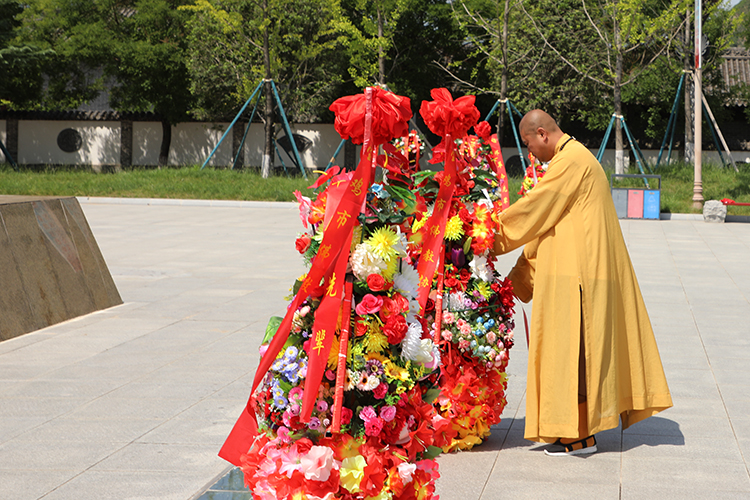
(454, 228)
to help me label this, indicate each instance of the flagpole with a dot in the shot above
(697, 108)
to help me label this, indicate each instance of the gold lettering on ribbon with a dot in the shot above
(325, 251)
(429, 256)
(435, 230)
(331, 284)
(343, 217)
(423, 282)
(356, 186)
(440, 203)
(447, 180)
(320, 336)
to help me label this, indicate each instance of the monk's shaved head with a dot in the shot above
(536, 119)
(540, 134)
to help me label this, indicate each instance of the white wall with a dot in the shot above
(193, 142)
(37, 143)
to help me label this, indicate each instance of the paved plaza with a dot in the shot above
(135, 401)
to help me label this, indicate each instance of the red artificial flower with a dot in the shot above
(360, 328)
(346, 415)
(303, 243)
(318, 209)
(445, 116)
(395, 328)
(390, 116)
(375, 282)
(483, 130)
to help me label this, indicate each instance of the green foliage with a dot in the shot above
(226, 55)
(139, 45)
(21, 79)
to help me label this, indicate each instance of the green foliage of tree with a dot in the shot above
(226, 55)
(139, 45)
(21, 81)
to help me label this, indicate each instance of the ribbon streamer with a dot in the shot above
(338, 397)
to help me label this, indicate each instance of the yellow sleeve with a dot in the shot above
(540, 210)
(522, 274)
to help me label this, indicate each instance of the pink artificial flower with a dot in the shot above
(304, 206)
(374, 426)
(263, 349)
(447, 335)
(388, 413)
(316, 465)
(283, 434)
(448, 317)
(370, 304)
(330, 375)
(463, 327)
(367, 413)
(491, 337)
(463, 344)
(405, 471)
(321, 405)
(295, 394)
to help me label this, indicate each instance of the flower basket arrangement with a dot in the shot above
(473, 322)
(357, 390)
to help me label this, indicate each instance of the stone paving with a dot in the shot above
(135, 401)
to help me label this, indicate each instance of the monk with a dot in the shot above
(593, 359)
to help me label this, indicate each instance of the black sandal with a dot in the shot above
(581, 447)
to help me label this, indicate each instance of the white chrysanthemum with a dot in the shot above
(457, 302)
(365, 261)
(407, 281)
(479, 268)
(400, 246)
(436, 355)
(414, 347)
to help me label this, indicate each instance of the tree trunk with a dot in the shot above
(619, 150)
(166, 142)
(689, 94)
(504, 78)
(268, 153)
(381, 57)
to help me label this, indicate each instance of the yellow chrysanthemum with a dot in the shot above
(333, 354)
(356, 237)
(375, 341)
(390, 269)
(375, 355)
(383, 241)
(454, 228)
(395, 372)
(419, 223)
(484, 288)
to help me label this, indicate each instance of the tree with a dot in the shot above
(21, 79)
(139, 44)
(622, 39)
(234, 44)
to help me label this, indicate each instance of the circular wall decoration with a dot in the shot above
(69, 140)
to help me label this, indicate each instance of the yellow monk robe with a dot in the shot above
(577, 269)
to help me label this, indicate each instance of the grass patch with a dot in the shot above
(177, 183)
(677, 186)
(247, 184)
